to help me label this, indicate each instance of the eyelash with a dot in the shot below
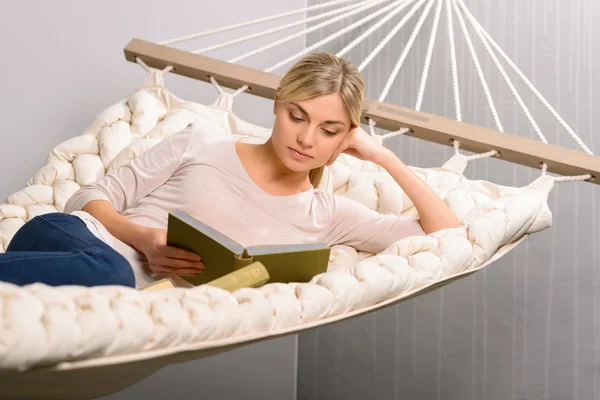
(296, 119)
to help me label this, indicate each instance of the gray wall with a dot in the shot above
(528, 326)
(62, 64)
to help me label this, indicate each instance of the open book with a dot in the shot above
(222, 255)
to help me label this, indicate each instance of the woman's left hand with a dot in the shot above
(361, 145)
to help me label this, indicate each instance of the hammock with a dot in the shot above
(75, 342)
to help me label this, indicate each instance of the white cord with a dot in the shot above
(513, 90)
(373, 28)
(279, 28)
(148, 69)
(486, 89)
(306, 31)
(239, 91)
(381, 138)
(390, 35)
(453, 62)
(252, 22)
(142, 64)
(407, 48)
(221, 91)
(491, 153)
(432, 38)
(531, 86)
(335, 35)
(372, 127)
(572, 178)
(216, 85)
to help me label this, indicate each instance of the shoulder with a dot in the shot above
(201, 144)
(204, 138)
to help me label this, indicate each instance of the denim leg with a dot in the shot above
(58, 249)
(53, 232)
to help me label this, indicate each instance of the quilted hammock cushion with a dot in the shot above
(41, 324)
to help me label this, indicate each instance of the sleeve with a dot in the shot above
(354, 224)
(129, 183)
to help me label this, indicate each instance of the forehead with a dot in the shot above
(328, 107)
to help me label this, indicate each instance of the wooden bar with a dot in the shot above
(512, 148)
(202, 68)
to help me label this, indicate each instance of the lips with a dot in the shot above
(301, 153)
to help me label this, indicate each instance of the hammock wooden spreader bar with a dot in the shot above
(512, 148)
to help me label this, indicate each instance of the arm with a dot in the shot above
(131, 182)
(152, 242)
(112, 194)
(356, 225)
(126, 231)
(434, 214)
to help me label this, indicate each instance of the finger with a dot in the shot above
(176, 252)
(168, 271)
(178, 263)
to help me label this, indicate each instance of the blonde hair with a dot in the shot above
(321, 74)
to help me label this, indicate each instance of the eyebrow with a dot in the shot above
(303, 111)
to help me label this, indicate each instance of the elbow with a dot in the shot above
(72, 204)
(81, 198)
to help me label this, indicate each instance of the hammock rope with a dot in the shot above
(478, 68)
(484, 39)
(168, 68)
(456, 145)
(306, 31)
(536, 92)
(453, 63)
(284, 27)
(221, 91)
(252, 22)
(463, 15)
(511, 86)
(405, 52)
(426, 67)
(373, 28)
(328, 39)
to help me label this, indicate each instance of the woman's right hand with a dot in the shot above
(164, 259)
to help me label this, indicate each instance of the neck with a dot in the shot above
(274, 171)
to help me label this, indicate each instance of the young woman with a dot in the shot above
(113, 230)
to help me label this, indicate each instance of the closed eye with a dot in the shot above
(298, 119)
(294, 118)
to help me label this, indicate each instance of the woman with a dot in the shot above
(113, 230)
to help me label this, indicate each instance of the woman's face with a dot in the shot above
(307, 133)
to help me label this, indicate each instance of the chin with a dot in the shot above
(287, 158)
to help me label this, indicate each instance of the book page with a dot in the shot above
(284, 248)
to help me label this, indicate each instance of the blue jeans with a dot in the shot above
(58, 249)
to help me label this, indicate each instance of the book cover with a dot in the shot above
(223, 255)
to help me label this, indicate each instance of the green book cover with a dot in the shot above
(223, 255)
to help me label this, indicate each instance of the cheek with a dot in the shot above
(283, 129)
(328, 146)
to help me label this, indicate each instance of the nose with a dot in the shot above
(306, 138)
